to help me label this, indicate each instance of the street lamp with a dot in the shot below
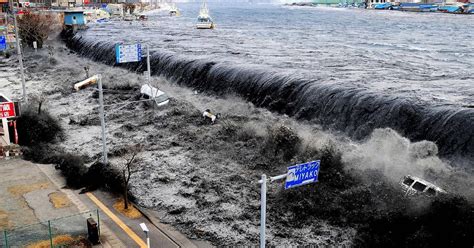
(145, 230)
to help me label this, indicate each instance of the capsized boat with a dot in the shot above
(204, 19)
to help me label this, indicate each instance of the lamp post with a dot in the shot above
(145, 230)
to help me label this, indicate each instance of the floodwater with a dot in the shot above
(351, 70)
(422, 55)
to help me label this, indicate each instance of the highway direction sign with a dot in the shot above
(302, 174)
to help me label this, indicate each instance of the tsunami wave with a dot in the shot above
(354, 111)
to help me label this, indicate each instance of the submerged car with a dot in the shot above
(413, 185)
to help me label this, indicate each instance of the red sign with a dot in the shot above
(7, 109)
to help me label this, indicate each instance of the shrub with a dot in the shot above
(72, 168)
(35, 27)
(103, 176)
(39, 153)
(35, 129)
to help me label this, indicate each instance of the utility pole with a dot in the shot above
(148, 64)
(102, 121)
(20, 54)
(263, 210)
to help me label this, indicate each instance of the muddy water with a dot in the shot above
(351, 70)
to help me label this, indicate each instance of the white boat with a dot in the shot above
(204, 19)
(174, 11)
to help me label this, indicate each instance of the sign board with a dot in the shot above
(7, 109)
(128, 53)
(11, 38)
(302, 174)
(3, 43)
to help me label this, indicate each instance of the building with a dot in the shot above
(338, 2)
(74, 18)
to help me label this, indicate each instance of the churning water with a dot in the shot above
(352, 70)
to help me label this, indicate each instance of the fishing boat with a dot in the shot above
(204, 19)
(174, 11)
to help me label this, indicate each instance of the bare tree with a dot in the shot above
(39, 98)
(127, 170)
(35, 27)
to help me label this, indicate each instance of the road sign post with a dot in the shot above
(296, 175)
(133, 53)
(102, 121)
(148, 64)
(263, 210)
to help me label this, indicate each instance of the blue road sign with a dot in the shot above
(302, 174)
(3, 43)
(128, 53)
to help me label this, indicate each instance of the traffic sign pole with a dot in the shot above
(148, 64)
(263, 205)
(102, 121)
(263, 210)
(297, 175)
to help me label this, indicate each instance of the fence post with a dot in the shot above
(50, 234)
(6, 238)
(98, 221)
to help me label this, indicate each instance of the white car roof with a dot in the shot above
(426, 183)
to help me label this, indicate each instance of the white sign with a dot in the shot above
(128, 53)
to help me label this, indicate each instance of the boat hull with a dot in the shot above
(205, 25)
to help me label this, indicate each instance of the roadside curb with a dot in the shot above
(167, 230)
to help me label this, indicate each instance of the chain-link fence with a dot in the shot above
(61, 232)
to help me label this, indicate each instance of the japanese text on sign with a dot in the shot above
(7, 109)
(302, 174)
(128, 53)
